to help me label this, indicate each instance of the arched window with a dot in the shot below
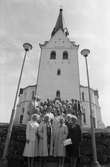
(53, 55)
(58, 72)
(33, 95)
(94, 122)
(65, 55)
(84, 118)
(83, 98)
(58, 93)
(21, 119)
(23, 110)
(20, 91)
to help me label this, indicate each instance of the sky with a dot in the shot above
(88, 22)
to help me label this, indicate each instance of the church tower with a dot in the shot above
(58, 77)
(58, 74)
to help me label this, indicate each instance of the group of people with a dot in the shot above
(56, 106)
(49, 133)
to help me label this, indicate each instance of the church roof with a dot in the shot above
(59, 23)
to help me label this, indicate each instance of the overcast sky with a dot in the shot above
(88, 22)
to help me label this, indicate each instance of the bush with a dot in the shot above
(17, 143)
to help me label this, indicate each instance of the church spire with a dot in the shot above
(59, 23)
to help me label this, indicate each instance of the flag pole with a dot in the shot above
(4, 161)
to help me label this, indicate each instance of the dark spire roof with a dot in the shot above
(59, 23)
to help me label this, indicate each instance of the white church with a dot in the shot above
(58, 76)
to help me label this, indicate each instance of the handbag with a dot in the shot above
(67, 142)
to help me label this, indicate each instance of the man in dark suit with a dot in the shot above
(74, 133)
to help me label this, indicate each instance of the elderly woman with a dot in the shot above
(31, 146)
(60, 135)
(45, 140)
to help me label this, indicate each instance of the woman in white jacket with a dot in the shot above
(31, 145)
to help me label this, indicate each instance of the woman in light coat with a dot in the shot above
(45, 139)
(60, 134)
(31, 145)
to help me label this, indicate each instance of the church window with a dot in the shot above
(53, 55)
(58, 72)
(21, 119)
(57, 93)
(21, 91)
(23, 110)
(94, 122)
(83, 98)
(84, 118)
(65, 55)
(33, 95)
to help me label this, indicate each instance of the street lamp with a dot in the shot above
(95, 163)
(4, 161)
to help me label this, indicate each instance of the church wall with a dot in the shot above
(59, 77)
(95, 108)
(23, 104)
(84, 103)
(48, 80)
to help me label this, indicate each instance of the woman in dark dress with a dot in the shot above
(74, 133)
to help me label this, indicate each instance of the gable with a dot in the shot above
(59, 40)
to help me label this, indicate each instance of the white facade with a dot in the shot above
(58, 76)
(49, 82)
(25, 99)
(86, 109)
(23, 106)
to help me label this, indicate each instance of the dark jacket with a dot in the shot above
(75, 134)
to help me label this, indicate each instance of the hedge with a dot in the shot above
(17, 143)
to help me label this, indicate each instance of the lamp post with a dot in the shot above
(95, 163)
(4, 161)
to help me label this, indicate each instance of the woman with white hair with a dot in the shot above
(31, 145)
(45, 140)
(60, 134)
